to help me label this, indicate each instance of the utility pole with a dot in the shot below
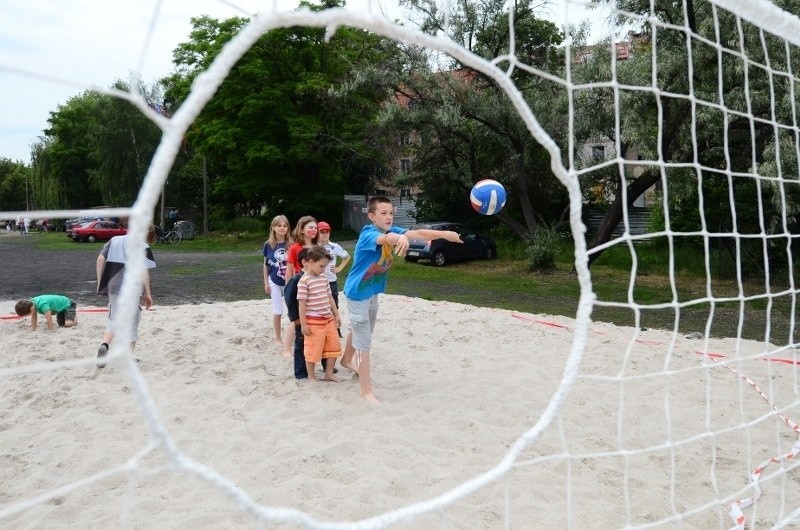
(163, 190)
(205, 198)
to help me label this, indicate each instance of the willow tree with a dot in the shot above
(462, 126)
(14, 185)
(95, 151)
(722, 142)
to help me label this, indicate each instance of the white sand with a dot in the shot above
(459, 385)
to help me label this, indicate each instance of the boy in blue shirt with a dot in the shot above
(367, 279)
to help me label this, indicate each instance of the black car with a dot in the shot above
(441, 252)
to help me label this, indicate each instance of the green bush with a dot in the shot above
(541, 252)
(241, 225)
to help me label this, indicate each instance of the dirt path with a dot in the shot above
(179, 278)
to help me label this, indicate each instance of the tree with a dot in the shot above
(63, 157)
(95, 151)
(123, 142)
(275, 138)
(14, 180)
(463, 126)
(723, 142)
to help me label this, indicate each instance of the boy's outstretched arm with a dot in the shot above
(429, 235)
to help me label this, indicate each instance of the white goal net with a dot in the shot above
(691, 425)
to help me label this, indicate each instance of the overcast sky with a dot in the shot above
(52, 50)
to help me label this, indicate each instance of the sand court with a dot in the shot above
(650, 429)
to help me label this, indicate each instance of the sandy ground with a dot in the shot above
(211, 430)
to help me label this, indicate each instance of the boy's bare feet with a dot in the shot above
(286, 353)
(350, 366)
(332, 378)
(370, 397)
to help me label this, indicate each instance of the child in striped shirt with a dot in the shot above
(319, 317)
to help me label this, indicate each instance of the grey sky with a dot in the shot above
(51, 51)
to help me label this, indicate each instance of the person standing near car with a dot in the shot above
(110, 268)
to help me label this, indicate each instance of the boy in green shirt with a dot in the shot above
(64, 309)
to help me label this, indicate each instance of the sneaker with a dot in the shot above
(101, 355)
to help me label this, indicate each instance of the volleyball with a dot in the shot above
(487, 197)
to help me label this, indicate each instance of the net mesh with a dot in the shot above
(697, 431)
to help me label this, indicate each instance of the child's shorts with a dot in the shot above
(323, 342)
(363, 315)
(68, 314)
(276, 294)
(113, 302)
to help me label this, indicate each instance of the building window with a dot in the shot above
(405, 140)
(598, 152)
(405, 166)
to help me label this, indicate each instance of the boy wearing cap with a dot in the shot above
(336, 251)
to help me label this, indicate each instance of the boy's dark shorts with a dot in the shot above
(67, 314)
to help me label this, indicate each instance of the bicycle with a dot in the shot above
(173, 237)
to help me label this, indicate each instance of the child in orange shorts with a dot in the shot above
(319, 317)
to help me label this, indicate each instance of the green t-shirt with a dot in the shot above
(55, 303)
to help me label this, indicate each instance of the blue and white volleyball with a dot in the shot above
(487, 197)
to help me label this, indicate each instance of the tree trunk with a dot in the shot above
(614, 214)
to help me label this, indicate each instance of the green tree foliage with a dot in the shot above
(693, 131)
(14, 177)
(123, 142)
(63, 158)
(463, 127)
(95, 151)
(275, 138)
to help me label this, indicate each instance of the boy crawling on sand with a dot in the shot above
(319, 318)
(47, 305)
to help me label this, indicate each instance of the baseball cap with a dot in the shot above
(323, 226)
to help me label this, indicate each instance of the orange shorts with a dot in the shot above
(323, 342)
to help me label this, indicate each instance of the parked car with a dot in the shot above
(441, 252)
(76, 222)
(97, 231)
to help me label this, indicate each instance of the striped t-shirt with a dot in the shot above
(314, 290)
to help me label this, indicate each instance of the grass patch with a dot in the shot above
(217, 242)
(506, 283)
(234, 261)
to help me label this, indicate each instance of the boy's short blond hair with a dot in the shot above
(373, 203)
(23, 308)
